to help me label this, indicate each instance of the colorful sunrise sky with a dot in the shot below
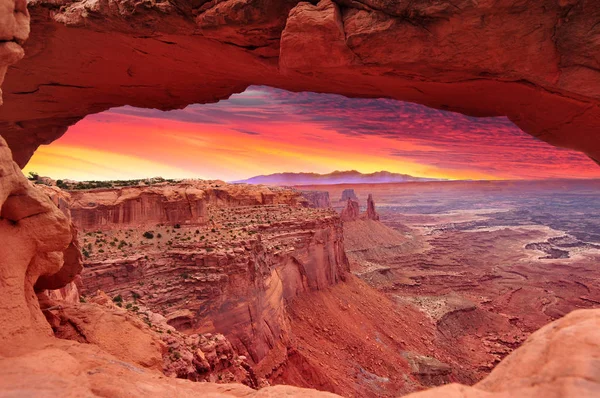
(265, 130)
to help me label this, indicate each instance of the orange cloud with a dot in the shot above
(267, 131)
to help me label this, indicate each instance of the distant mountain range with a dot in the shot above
(337, 177)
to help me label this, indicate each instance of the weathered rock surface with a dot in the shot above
(39, 251)
(182, 203)
(351, 212)
(371, 213)
(87, 56)
(348, 194)
(259, 248)
(559, 360)
(317, 199)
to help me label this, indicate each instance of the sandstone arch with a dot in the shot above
(538, 62)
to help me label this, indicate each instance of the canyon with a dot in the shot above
(487, 262)
(310, 320)
(267, 271)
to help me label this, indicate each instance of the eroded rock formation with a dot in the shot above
(348, 194)
(182, 203)
(39, 251)
(317, 199)
(351, 212)
(371, 213)
(256, 249)
(87, 56)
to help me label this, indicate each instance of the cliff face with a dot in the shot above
(317, 199)
(351, 212)
(137, 206)
(87, 56)
(232, 275)
(348, 194)
(184, 203)
(371, 213)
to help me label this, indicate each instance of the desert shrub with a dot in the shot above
(148, 235)
(118, 299)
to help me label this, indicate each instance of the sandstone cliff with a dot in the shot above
(182, 203)
(317, 199)
(351, 212)
(232, 273)
(348, 194)
(371, 213)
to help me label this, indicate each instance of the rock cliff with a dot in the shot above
(317, 199)
(254, 250)
(371, 213)
(351, 212)
(87, 56)
(39, 251)
(348, 194)
(181, 203)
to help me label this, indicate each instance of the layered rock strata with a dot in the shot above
(348, 194)
(232, 275)
(371, 213)
(181, 203)
(317, 199)
(351, 212)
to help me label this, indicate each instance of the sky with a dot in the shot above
(266, 130)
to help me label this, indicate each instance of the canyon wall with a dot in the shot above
(182, 203)
(317, 199)
(535, 62)
(255, 249)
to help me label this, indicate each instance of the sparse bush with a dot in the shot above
(148, 235)
(176, 226)
(118, 299)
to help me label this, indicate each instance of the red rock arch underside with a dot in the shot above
(537, 62)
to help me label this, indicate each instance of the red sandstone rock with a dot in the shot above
(456, 56)
(233, 275)
(37, 241)
(348, 194)
(183, 203)
(317, 199)
(371, 213)
(351, 212)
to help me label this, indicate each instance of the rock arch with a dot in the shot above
(536, 62)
